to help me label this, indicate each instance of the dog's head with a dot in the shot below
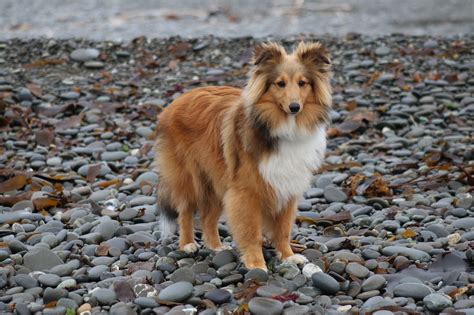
(290, 87)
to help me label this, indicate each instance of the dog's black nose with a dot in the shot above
(294, 108)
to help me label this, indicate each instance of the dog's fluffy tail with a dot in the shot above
(168, 218)
(168, 214)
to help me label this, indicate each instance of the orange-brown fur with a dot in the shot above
(211, 140)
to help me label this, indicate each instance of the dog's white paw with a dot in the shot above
(296, 259)
(190, 248)
(223, 247)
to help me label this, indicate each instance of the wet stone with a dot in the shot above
(374, 282)
(325, 283)
(270, 291)
(69, 95)
(357, 270)
(333, 194)
(41, 259)
(414, 290)
(436, 302)
(218, 296)
(257, 274)
(104, 296)
(49, 280)
(25, 281)
(84, 54)
(382, 50)
(264, 306)
(94, 64)
(183, 274)
(223, 257)
(177, 292)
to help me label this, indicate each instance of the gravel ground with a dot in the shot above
(123, 19)
(388, 225)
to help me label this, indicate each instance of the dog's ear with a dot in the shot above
(314, 55)
(267, 52)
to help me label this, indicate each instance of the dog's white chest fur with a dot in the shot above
(289, 170)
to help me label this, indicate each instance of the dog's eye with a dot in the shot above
(301, 83)
(281, 84)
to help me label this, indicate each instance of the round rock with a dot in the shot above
(223, 258)
(84, 54)
(218, 296)
(357, 270)
(437, 302)
(257, 274)
(104, 296)
(374, 282)
(418, 291)
(25, 281)
(325, 283)
(49, 280)
(265, 306)
(177, 292)
(41, 258)
(334, 194)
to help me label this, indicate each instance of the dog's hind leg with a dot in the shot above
(186, 229)
(209, 220)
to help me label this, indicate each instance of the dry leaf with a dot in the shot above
(363, 115)
(458, 292)
(452, 77)
(44, 137)
(14, 183)
(296, 247)
(417, 78)
(43, 63)
(373, 77)
(248, 290)
(9, 201)
(180, 50)
(286, 297)
(408, 233)
(93, 172)
(434, 76)
(107, 183)
(338, 167)
(51, 304)
(243, 309)
(172, 16)
(45, 203)
(373, 186)
(351, 105)
(102, 249)
(70, 122)
(35, 89)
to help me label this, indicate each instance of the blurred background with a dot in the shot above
(124, 19)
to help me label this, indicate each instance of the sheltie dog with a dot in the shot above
(248, 153)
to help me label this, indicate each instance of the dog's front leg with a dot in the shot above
(244, 217)
(280, 228)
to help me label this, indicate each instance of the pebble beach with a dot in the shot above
(387, 225)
